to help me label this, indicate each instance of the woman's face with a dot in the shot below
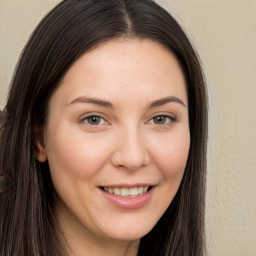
(117, 139)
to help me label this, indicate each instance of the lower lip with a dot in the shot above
(129, 203)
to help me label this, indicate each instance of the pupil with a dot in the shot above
(94, 120)
(159, 119)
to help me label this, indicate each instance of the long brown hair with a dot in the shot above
(27, 222)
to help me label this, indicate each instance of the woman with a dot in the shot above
(104, 148)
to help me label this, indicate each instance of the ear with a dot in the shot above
(40, 151)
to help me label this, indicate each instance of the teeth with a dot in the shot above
(110, 190)
(117, 191)
(140, 190)
(134, 191)
(125, 192)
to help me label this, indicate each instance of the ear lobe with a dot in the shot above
(40, 152)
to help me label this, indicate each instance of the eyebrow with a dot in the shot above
(95, 101)
(166, 100)
(108, 104)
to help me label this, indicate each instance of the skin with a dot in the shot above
(126, 145)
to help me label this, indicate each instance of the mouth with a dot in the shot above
(127, 192)
(128, 197)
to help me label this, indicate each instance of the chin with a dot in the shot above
(129, 232)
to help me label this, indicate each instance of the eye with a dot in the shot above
(94, 120)
(162, 119)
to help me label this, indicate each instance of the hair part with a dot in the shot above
(71, 29)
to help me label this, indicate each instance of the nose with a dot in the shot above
(131, 150)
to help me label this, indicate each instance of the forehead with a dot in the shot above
(124, 65)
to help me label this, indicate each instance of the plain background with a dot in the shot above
(224, 33)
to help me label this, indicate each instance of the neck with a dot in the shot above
(95, 248)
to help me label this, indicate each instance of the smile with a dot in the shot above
(128, 197)
(127, 192)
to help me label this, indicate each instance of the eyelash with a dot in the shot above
(171, 119)
(93, 116)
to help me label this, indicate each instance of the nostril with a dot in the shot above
(130, 152)
(129, 161)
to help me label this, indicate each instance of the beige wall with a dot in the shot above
(224, 33)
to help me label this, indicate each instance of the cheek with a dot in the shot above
(75, 156)
(171, 156)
